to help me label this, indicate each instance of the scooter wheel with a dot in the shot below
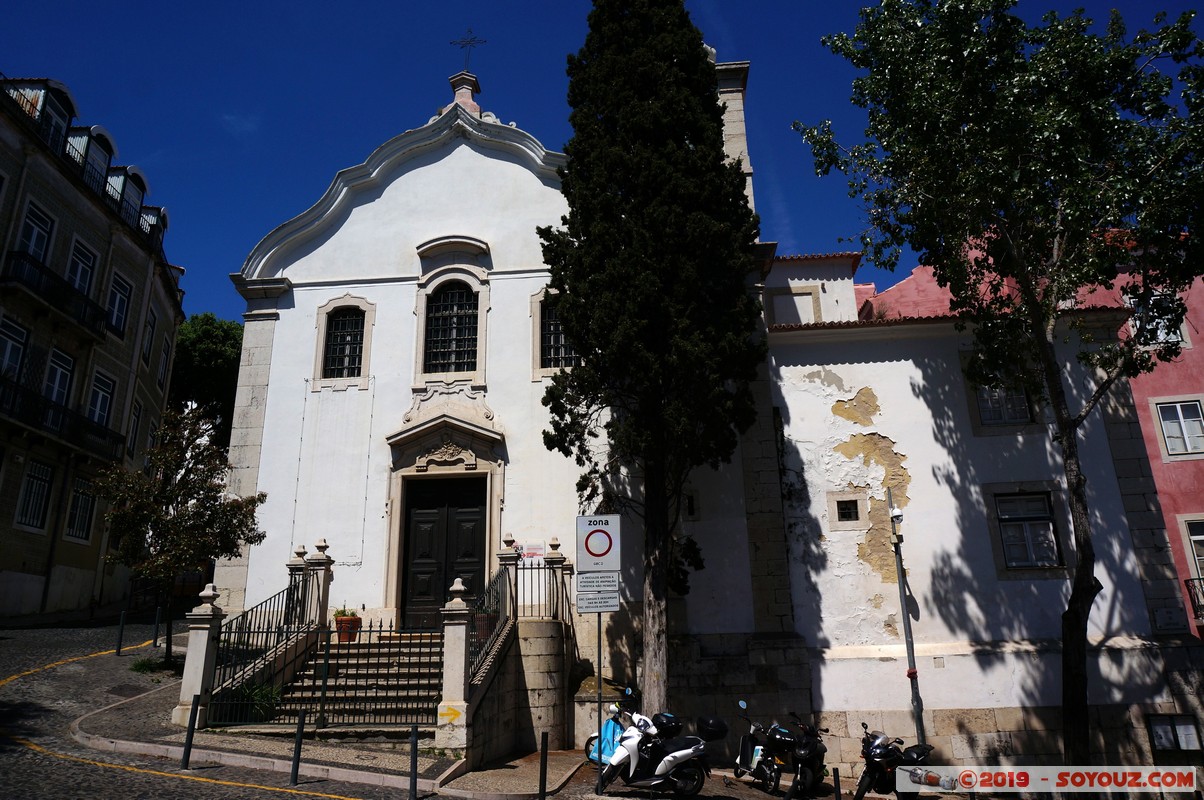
(863, 786)
(737, 772)
(590, 743)
(804, 783)
(608, 776)
(688, 780)
(775, 780)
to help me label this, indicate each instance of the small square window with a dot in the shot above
(1026, 526)
(847, 511)
(1003, 406)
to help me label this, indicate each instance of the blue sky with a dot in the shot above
(240, 114)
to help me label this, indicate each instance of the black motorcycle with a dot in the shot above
(809, 769)
(883, 757)
(764, 752)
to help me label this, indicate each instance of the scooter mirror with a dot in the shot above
(628, 691)
(743, 705)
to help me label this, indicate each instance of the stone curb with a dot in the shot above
(236, 759)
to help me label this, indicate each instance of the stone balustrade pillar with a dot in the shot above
(451, 731)
(204, 630)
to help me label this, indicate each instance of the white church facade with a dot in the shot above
(397, 342)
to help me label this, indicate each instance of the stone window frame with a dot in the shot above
(1182, 333)
(1195, 568)
(862, 523)
(477, 280)
(1156, 418)
(537, 303)
(119, 286)
(980, 428)
(1060, 513)
(323, 312)
(794, 290)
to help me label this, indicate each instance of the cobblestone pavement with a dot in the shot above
(39, 759)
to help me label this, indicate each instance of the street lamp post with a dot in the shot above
(917, 704)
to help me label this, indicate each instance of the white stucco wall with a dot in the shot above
(970, 614)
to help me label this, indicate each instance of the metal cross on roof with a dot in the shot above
(466, 44)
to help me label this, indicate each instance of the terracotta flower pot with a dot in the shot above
(348, 628)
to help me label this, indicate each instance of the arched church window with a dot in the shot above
(451, 329)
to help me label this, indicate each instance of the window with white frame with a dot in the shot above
(80, 268)
(1027, 530)
(57, 387)
(1195, 539)
(450, 343)
(81, 511)
(148, 335)
(35, 233)
(13, 339)
(131, 436)
(1182, 427)
(100, 402)
(164, 361)
(120, 291)
(1155, 319)
(1003, 406)
(35, 495)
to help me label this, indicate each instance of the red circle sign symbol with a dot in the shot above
(596, 547)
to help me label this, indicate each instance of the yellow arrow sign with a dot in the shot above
(450, 714)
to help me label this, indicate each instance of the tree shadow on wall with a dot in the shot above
(994, 608)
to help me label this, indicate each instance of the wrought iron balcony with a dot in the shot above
(33, 410)
(1195, 590)
(22, 269)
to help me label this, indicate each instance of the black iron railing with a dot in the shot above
(1195, 590)
(491, 610)
(33, 409)
(259, 641)
(24, 270)
(540, 591)
(374, 676)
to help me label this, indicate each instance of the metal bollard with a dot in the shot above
(836, 780)
(292, 781)
(155, 638)
(120, 632)
(543, 765)
(196, 703)
(414, 761)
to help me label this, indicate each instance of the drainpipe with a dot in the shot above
(917, 703)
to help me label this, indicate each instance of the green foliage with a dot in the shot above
(176, 514)
(1068, 158)
(1036, 169)
(205, 369)
(257, 701)
(651, 265)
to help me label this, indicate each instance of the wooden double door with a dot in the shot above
(445, 539)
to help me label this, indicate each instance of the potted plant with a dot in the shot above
(347, 623)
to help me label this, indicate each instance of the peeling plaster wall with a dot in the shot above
(861, 415)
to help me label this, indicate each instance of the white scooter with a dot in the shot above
(651, 755)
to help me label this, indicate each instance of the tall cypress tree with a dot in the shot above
(651, 267)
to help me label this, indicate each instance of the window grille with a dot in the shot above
(344, 353)
(555, 352)
(451, 329)
(35, 495)
(79, 517)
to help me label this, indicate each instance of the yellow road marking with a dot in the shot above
(158, 773)
(11, 678)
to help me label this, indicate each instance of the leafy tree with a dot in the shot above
(176, 515)
(205, 369)
(1032, 167)
(650, 266)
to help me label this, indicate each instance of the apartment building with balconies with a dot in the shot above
(89, 307)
